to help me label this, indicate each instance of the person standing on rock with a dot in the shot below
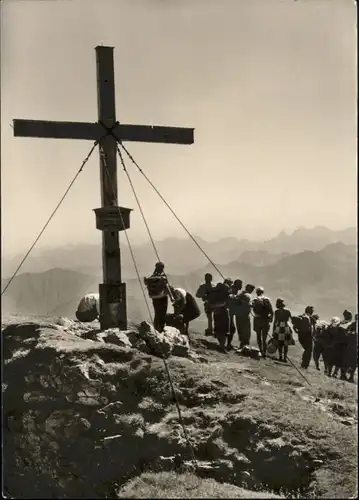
(203, 293)
(242, 307)
(158, 290)
(263, 316)
(281, 329)
(89, 308)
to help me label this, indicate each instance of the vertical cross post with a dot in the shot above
(112, 291)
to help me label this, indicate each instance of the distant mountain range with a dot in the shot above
(182, 256)
(324, 278)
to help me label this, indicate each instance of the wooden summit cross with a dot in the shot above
(110, 218)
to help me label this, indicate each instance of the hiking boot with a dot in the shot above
(285, 360)
(229, 347)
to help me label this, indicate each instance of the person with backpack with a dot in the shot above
(329, 355)
(263, 316)
(340, 338)
(203, 293)
(304, 325)
(158, 290)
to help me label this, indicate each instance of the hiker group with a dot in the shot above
(229, 307)
(336, 342)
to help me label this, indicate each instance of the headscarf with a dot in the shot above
(279, 302)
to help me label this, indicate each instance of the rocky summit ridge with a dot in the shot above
(90, 414)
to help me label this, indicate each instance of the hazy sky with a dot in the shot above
(268, 85)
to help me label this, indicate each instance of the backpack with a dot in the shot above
(261, 307)
(242, 304)
(300, 323)
(218, 295)
(156, 286)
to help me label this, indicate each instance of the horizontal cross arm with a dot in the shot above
(148, 133)
(94, 131)
(58, 130)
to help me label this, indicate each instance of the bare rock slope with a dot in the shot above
(88, 415)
